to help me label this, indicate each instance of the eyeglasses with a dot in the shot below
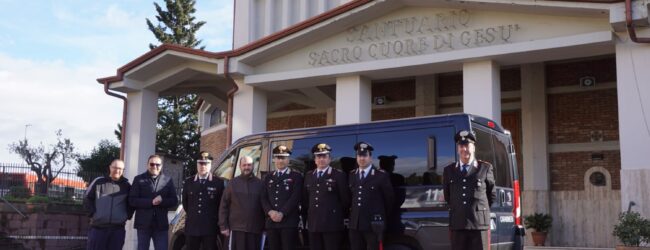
(155, 165)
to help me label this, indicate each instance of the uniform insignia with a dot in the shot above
(211, 189)
(321, 146)
(270, 181)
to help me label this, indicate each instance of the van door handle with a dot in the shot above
(502, 197)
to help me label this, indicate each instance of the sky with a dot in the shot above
(52, 52)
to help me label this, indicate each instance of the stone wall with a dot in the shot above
(47, 226)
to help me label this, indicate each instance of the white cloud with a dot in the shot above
(51, 96)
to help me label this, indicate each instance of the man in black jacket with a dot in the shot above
(201, 196)
(469, 192)
(326, 201)
(106, 201)
(152, 194)
(241, 216)
(281, 200)
(372, 201)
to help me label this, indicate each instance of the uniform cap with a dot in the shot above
(465, 137)
(363, 148)
(204, 156)
(281, 150)
(321, 148)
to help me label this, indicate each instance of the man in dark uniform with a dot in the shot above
(372, 200)
(281, 201)
(326, 199)
(469, 193)
(201, 196)
(241, 216)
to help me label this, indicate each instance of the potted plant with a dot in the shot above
(633, 231)
(540, 222)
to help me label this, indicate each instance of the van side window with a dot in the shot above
(254, 151)
(225, 169)
(501, 163)
(484, 147)
(302, 160)
(415, 160)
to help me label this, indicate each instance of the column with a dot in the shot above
(249, 110)
(141, 120)
(482, 89)
(353, 100)
(426, 95)
(535, 198)
(633, 76)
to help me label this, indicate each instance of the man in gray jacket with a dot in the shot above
(107, 203)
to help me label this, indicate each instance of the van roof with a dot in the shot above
(454, 119)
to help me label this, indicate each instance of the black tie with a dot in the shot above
(464, 170)
(320, 174)
(202, 181)
(363, 174)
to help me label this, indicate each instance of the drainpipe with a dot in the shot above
(124, 101)
(231, 97)
(630, 24)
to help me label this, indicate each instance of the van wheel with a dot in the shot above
(397, 247)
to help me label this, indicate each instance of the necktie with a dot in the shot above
(202, 181)
(363, 174)
(464, 170)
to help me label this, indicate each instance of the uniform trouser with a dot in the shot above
(325, 240)
(363, 240)
(106, 238)
(207, 242)
(159, 238)
(282, 238)
(244, 241)
(470, 239)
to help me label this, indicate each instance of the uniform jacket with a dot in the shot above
(241, 205)
(107, 202)
(283, 194)
(326, 200)
(370, 197)
(469, 197)
(201, 205)
(143, 191)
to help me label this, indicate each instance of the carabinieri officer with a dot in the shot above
(201, 196)
(372, 200)
(327, 199)
(282, 199)
(469, 192)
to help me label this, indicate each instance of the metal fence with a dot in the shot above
(19, 183)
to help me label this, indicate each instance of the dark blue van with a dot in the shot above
(421, 147)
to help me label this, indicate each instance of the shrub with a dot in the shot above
(541, 222)
(38, 199)
(632, 229)
(19, 192)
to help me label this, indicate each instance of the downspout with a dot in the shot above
(125, 102)
(231, 97)
(630, 24)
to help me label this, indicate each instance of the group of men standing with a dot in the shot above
(324, 197)
(248, 206)
(111, 201)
